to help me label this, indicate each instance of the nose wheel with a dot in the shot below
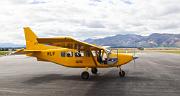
(85, 75)
(122, 73)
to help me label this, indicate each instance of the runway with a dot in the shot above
(154, 74)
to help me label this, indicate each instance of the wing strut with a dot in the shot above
(93, 57)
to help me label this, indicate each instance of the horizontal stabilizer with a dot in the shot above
(24, 51)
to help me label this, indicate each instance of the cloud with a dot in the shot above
(84, 19)
(127, 1)
(93, 24)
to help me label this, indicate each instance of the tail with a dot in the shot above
(32, 45)
(31, 39)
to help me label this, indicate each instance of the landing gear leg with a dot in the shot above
(94, 70)
(121, 72)
(85, 75)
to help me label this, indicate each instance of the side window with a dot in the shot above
(87, 54)
(79, 54)
(69, 54)
(63, 54)
(82, 53)
(94, 53)
(104, 57)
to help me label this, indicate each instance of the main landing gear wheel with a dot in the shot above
(94, 70)
(122, 73)
(85, 75)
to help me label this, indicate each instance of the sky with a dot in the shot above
(84, 19)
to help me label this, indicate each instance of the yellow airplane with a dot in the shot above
(69, 52)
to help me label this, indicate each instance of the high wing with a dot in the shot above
(68, 42)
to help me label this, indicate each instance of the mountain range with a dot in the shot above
(129, 40)
(132, 40)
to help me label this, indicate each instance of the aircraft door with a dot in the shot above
(99, 56)
(112, 56)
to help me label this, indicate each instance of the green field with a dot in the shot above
(164, 50)
(3, 52)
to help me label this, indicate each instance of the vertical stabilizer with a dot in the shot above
(31, 39)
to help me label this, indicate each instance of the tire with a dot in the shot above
(94, 70)
(122, 74)
(85, 75)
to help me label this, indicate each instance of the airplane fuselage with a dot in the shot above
(68, 58)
